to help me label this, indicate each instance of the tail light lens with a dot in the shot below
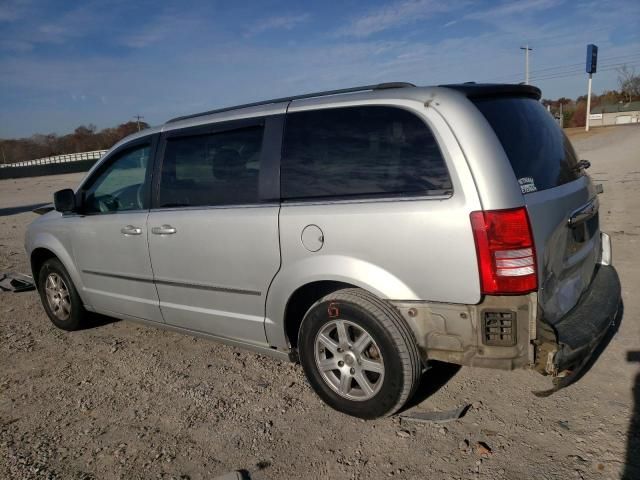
(506, 254)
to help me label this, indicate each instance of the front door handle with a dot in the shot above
(163, 230)
(131, 230)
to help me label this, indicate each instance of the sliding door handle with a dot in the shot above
(163, 230)
(131, 230)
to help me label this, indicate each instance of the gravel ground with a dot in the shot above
(119, 400)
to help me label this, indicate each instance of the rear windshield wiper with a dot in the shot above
(582, 164)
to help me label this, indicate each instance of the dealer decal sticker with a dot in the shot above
(527, 185)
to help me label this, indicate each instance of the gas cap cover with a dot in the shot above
(312, 238)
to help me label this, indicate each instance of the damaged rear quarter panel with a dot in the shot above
(454, 333)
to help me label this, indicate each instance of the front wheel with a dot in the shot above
(59, 296)
(359, 354)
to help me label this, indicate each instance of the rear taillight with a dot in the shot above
(506, 254)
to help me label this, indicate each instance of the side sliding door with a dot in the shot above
(213, 227)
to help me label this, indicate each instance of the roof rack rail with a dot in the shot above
(379, 86)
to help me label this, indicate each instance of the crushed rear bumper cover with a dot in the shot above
(584, 332)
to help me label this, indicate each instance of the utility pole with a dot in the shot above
(592, 63)
(586, 122)
(526, 62)
(138, 118)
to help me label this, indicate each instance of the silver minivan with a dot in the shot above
(363, 232)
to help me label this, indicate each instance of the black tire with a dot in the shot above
(394, 341)
(77, 314)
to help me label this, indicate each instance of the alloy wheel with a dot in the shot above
(58, 296)
(349, 360)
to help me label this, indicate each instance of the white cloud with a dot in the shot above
(52, 33)
(158, 29)
(396, 15)
(12, 10)
(34, 29)
(513, 8)
(144, 38)
(283, 22)
(17, 46)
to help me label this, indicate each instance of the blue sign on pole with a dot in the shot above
(592, 58)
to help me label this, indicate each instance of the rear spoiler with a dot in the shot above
(484, 90)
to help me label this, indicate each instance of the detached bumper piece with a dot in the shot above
(16, 282)
(586, 330)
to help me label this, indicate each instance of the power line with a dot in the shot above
(623, 56)
(601, 68)
(582, 63)
(569, 67)
(581, 68)
(581, 72)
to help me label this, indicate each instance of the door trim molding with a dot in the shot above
(164, 281)
(138, 278)
(207, 286)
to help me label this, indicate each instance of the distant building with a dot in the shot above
(615, 114)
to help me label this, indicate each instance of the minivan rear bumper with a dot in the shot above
(563, 349)
(584, 332)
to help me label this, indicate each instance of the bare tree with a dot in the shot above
(629, 82)
(84, 138)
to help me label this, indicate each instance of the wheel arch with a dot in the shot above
(301, 300)
(300, 285)
(41, 251)
(38, 257)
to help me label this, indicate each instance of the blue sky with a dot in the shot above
(65, 63)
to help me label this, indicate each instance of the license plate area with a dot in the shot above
(585, 231)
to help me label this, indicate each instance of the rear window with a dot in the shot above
(360, 151)
(540, 153)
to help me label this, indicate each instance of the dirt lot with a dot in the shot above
(124, 401)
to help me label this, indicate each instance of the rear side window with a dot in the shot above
(539, 152)
(360, 151)
(214, 169)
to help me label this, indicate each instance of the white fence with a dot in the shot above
(70, 157)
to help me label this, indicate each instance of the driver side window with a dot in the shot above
(121, 185)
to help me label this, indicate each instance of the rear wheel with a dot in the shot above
(59, 296)
(358, 353)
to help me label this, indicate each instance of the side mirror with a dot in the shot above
(64, 200)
